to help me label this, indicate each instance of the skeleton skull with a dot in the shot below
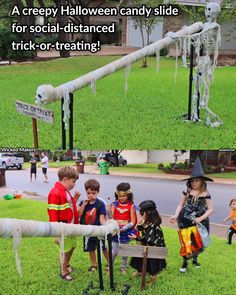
(211, 11)
(45, 94)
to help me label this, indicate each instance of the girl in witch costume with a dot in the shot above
(151, 235)
(194, 207)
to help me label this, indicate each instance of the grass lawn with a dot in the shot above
(143, 118)
(57, 164)
(223, 175)
(41, 273)
(148, 168)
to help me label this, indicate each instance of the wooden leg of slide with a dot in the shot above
(144, 268)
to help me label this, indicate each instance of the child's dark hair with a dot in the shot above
(92, 184)
(152, 215)
(123, 188)
(231, 201)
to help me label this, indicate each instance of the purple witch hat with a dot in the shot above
(197, 171)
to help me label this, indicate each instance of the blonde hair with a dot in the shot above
(68, 172)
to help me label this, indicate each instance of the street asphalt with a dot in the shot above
(165, 192)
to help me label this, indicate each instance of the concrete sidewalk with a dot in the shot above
(105, 50)
(218, 230)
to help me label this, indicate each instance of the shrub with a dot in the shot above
(6, 39)
(92, 158)
(160, 166)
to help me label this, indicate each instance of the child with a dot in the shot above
(122, 210)
(93, 211)
(33, 167)
(232, 216)
(151, 235)
(194, 207)
(62, 208)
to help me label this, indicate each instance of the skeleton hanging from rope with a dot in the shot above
(208, 40)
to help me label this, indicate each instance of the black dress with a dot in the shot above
(151, 235)
(193, 208)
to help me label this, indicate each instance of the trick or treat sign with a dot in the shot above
(35, 112)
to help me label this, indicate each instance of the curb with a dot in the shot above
(161, 176)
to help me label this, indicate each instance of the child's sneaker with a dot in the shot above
(184, 266)
(196, 264)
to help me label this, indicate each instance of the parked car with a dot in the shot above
(8, 160)
(110, 158)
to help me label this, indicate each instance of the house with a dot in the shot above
(129, 34)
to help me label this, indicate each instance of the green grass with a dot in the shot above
(58, 164)
(223, 175)
(41, 272)
(146, 168)
(144, 118)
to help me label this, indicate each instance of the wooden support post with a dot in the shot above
(71, 122)
(144, 268)
(35, 132)
(190, 83)
(63, 130)
(109, 239)
(99, 265)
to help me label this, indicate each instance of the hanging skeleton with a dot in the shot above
(47, 93)
(207, 41)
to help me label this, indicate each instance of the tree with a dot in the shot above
(6, 19)
(146, 25)
(197, 13)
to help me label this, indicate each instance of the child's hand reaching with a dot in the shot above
(77, 195)
(173, 220)
(85, 202)
(132, 236)
(197, 220)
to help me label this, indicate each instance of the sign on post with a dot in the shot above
(34, 111)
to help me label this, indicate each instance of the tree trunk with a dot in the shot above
(62, 36)
(194, 154)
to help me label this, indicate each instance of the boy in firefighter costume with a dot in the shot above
(62, 208)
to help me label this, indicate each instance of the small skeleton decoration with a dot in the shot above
(209, 40)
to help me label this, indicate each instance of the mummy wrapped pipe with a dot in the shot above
(17, 229)
(47, 93)
(31, 228)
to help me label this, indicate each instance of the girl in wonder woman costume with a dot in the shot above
(123, 211)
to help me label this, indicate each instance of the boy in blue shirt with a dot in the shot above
(92, 211)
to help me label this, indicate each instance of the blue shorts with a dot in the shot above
(92, 244)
